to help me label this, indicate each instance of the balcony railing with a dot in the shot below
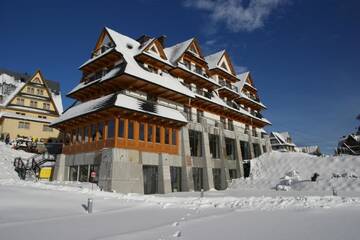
(228, 85)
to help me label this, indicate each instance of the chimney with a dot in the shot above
(162, 39)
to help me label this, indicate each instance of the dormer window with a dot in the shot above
(198, 69)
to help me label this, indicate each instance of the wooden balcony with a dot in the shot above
(106, 59)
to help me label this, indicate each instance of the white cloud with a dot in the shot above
(240, 69)
(236, 14)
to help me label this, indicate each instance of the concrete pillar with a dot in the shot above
(164, 174)
(225, 176)
(121, 171)
(208, 172)
(59, 170)
(187, 180)
(239, 160)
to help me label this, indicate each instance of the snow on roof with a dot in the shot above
(213, 59)
(17, 116)
(129, 48)
(243, 76)
(58, 101)
(282, 137)
(122, 101)
(252, 100)
(174, 52)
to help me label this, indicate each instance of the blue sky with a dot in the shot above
(304, 55)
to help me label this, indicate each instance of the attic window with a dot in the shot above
(153, 49)
(129, 46)
(223, 65)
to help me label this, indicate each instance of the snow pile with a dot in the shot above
(293, 171)
(7, 172)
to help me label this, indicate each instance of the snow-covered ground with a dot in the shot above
(249, 209)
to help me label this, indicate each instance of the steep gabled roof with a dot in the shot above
(214, 60)
(176, 51)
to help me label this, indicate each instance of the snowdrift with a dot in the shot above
(293, 171)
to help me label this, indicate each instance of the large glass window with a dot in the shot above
(257, 150)
(84, 173)
(245, 150)
(93, 132)
(86, 134)
(157, 139)
(230, 148)
(217, 178)
(150, 133)
(142, 131)
(198, 178)
(167, 136)
(195, 138)
(173, 136)
(100, 130)
(73, 173)
(130, 129)
(214, 142)
(111, 128)
(175, 174)
(94, 168)
(121, 128)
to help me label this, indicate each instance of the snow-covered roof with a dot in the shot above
(18, 116)
(121, 101)
(282, 138)
(173, 53)
(252, 100)
(214, 59)
(129, 48)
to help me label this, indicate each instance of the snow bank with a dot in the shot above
(287, 170)
(7, 156)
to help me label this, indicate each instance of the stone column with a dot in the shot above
(59, 170)
(187, 180)
(239, 160)
(208, 172)
(225, 176)
(251, 147)
(164, 179)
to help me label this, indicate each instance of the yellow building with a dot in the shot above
(28, 104)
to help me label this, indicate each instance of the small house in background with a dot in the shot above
(349, 144)
(28, 104)
(313, 150)
(282, 142)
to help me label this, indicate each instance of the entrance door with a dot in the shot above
(198, 179)
(175, 173)
(150, 175)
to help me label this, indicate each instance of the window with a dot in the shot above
(173, 137)
(20, 113)
(78, 135)
(151, 98)
(43, 117)
(214, 143)
(111, 129)
(100, 131)
(86, 134)
(39, 92)
(73, 173)
(230, 125)
(20, 101)
(195, 138)
(230, 148)
(152, 69)
(30, 90)
(188, 114)
(264, 148)
(150, 133)
(223, 122)
(33, 104)
(245, 150)
(93, 132)
(130, 129)
(198, 69)
(187, 64)
(257, 150)
(46, 106)
(157, 135)
(167, 136)
(121, 128)
(199, 115)
(24, 125)
(83, 173)
(46, 128)
(142, 131)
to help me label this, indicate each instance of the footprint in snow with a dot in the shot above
(177, 234)
(175, 224)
